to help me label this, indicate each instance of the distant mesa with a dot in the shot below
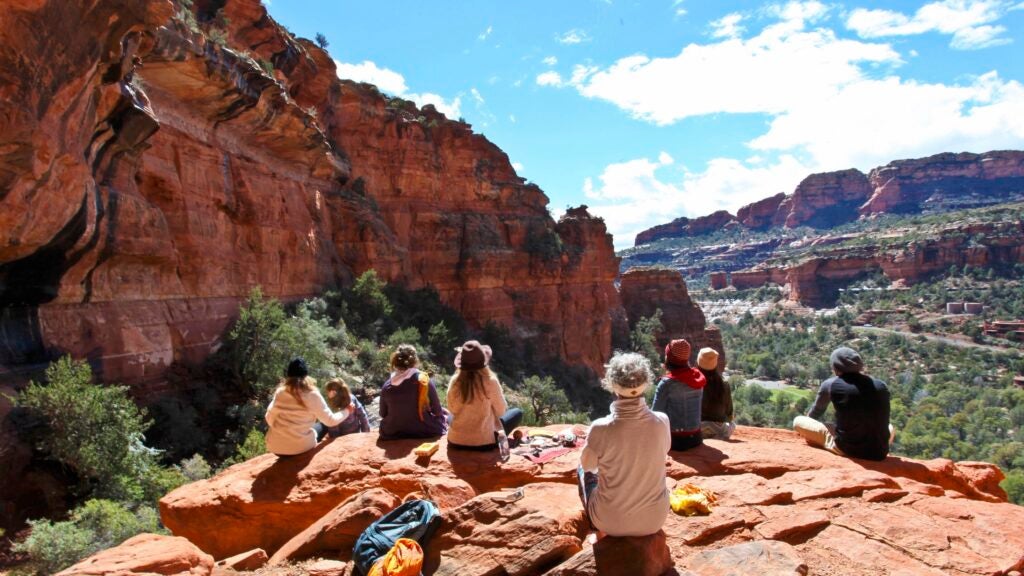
(942, 182)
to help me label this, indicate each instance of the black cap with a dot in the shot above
(297, 368)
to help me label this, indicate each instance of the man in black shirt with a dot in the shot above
(861, 403)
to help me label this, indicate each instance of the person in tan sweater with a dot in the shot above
(295, 409)
(477, 402)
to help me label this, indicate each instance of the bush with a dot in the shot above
(544, 403)
(255, 444)
(195, 468)
(94, 430)
(95, 526)
(644, 338)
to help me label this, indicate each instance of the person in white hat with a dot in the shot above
(622, 467)
(716, 409)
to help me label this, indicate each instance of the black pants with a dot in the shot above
(680, 443)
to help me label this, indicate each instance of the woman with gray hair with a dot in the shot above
(622, 467)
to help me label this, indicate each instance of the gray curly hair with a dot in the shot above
(627, 374)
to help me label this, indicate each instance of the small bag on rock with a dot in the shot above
(404, 559)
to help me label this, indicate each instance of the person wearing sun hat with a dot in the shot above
(716, 400)
(295, 409)
(679, 395)
(622, 466)
(477, 402)
(861, 404)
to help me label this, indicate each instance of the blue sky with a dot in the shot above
(649, 110)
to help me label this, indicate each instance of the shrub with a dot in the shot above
(96, 525)
(195, 468)
(544, 403)
(644, 337)
(94, 430)
(254, 445)
(321, 41)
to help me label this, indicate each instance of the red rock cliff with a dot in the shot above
(150, 177)
(645, 290)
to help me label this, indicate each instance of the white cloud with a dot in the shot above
(512, 118)
(550, 78)
(517, 166)
(677, 5)
(968, 21)
(550, 60)
(727, 26)
(574, 36)
(393, 83)
(483, 35)
(387, 80)
(476, 95)
(770, 73)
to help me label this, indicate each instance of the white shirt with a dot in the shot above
(291, 420)
(474, 423)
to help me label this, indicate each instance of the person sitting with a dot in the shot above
(716, 401)
(409, 406)
(297, 405)
(477, 402)
(679, 395)
(340, 397)
(622, 466)
(861, 404)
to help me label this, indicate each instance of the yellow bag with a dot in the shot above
(404, 559)
(690, 500)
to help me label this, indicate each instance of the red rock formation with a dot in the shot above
(760, 214)
(824, 200)
(189, 175)
(815, 280)
(719, 280)
(644, 291)
(684, 226)
(840, 516)
(946, 180)
(146, 554)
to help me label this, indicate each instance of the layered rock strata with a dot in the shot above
(645, 290)
(777, 498)
(150, 177)
(936, 183)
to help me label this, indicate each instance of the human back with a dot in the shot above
(862, 408)
(409, 405)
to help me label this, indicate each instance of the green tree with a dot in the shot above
(545, 403)
(644, 337)
(96, 431)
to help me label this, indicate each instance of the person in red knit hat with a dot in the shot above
(679, 394)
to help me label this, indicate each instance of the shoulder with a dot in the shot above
(661, 417)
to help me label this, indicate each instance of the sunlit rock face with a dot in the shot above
(150, 177)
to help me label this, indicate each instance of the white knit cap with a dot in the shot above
(627, 374)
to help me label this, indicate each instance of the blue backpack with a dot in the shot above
(415, 519)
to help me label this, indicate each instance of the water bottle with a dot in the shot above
(503, 446)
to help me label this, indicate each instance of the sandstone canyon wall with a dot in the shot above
(645, 290)
(150, 177)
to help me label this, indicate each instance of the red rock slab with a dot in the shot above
(636, 556)
(747, 488)
(809, 484)
(953, 535)
(250, 560)
(147, 554)
(793, 526)
(763, 557)
(883, 495)
(260, 503)
(485, 536)
(864, 555)
(699, 530)
(338, 530)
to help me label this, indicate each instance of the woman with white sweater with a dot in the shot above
(622, 467)
(477, 402)
(295, 409)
